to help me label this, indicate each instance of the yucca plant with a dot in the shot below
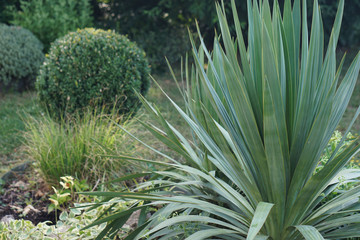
(261, 117)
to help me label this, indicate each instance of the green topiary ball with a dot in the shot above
(93, 68)
(20, 57)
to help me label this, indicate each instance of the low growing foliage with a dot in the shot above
(20, 58)
(69, 227)
(72, 147)
(92, 67)
(262, 116)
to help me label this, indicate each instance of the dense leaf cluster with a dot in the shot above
(93, 67)
(50, 19)
(20, 57)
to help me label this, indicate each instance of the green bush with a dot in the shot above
(51, 19)
(93, 67)
(75, 147)
(5, 15)
(20, 57)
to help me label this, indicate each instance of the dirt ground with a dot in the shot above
(26, 197)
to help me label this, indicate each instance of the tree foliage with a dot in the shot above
(49, 19)
(138, 15)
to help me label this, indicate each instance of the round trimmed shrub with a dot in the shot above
(93, 68)
(20, 57)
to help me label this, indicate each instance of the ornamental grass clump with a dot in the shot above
(70, 147)
(261, 116)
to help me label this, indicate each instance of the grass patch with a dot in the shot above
(77, 146)
(13, 109)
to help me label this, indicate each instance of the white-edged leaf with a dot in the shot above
(309, 232)
(261, 213)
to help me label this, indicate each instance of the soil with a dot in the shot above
(26, 197)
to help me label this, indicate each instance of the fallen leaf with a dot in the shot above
(16, 208)
(29, 208)
(39, 194)
(20, 184)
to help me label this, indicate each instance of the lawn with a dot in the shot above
(13, 109)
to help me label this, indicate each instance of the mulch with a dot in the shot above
(26, 197)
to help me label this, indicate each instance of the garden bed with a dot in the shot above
(26, 197)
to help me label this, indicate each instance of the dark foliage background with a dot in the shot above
(169, 19)
(160, 26)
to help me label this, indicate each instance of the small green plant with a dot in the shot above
(20, 58)
(75, 147)
(331, 148)
(341, 183)
(51, 19)
(61, 199)
(93, 67)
